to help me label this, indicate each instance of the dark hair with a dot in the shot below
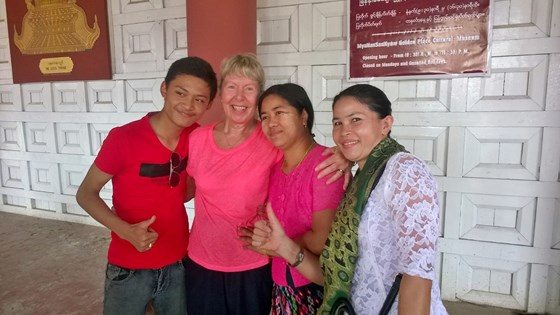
(372, 97)
(296, 96)
(197, 67)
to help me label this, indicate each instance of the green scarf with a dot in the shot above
(340, 254)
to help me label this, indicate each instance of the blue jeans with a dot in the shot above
(128, 291)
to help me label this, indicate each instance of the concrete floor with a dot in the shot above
(54, 267)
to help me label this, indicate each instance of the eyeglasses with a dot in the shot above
(174, 176)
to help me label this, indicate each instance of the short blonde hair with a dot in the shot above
(246, 65)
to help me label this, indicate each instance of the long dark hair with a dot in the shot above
(296, 96)
(372, 97)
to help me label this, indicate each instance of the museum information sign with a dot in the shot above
(390, 38)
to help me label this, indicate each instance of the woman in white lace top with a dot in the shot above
(398, 233)
(386, 224)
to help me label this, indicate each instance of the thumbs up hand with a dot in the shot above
(141, 235)
(268, 235)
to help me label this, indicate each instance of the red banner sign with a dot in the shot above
(391, 38)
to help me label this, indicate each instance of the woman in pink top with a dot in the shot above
(230, 162)
(304, 205)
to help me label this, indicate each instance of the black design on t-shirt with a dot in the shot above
(158, 170)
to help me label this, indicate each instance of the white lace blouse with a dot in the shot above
(398, 232)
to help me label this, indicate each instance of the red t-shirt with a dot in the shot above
(140, 165)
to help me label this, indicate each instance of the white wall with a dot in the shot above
(493, 143)
(46, 148)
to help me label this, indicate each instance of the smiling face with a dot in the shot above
(281, 122)
(186, 98)
(357, 129)
(238, 95)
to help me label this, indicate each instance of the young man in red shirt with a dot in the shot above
(146, 161)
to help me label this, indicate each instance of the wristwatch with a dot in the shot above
(299, 258)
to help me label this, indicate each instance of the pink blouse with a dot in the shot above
(294, 198)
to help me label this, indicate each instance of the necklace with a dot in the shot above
(284, 167)
(240, 137)
(226, 136)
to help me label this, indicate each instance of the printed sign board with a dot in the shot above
(392, 38)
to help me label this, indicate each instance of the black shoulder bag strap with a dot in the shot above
(343, 306)
(391, 296)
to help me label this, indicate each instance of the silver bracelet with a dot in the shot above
(299, 258)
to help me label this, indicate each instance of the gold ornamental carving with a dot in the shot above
(55, 26)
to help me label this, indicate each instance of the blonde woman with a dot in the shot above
(230, 162)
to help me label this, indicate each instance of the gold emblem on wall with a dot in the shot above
(55, 26)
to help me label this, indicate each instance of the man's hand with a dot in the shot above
(141, 235)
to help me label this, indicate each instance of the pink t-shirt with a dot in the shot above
(230, 184)
(294, 198)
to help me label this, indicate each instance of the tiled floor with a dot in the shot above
(53, 267)
(50, 267)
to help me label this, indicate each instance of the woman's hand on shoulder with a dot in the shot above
(336, 165)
